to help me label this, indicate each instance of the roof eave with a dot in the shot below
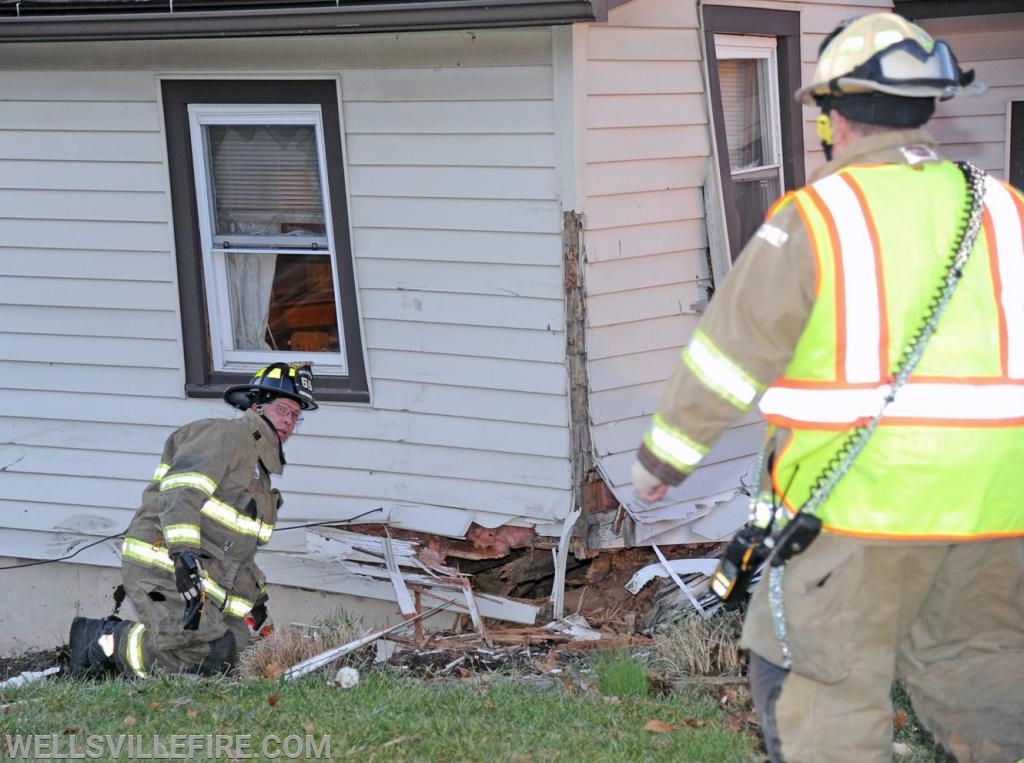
(383, 17)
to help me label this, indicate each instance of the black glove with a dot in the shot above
(188, 579)
(258, 617)
(259, 610)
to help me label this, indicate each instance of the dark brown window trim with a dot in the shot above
(785, 27)
(200, 379)
(1015, 139)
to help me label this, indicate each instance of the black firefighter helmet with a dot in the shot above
(293, 381)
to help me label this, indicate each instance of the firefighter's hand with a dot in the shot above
(188, 579)
(647, 487)
(258, 620)
(188, 575)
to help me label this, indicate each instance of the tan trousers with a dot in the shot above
(947, 619)
(164, 644)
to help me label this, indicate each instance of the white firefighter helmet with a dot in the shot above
(885, 53)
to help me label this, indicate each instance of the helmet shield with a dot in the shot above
(276, 380)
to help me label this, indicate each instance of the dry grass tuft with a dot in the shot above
(270, 657)
(691, 646)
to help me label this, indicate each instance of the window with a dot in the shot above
(262, 238)
(753, 67)
(747, 76)
(1015, 144)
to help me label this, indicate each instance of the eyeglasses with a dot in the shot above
(288, 413)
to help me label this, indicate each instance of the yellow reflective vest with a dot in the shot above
(947, 459)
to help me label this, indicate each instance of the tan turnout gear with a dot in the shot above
(211, 495)
(206, 511)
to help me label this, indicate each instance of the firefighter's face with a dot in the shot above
(284, 414)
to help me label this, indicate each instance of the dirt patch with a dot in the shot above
(33, 660)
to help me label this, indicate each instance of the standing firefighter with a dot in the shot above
(891, 523)
(189, 554)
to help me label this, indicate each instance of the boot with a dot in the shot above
(222, 658)
(88, 658)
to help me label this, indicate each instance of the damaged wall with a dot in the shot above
(454, 162)
(647, 155)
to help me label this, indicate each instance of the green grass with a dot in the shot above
(620, 674)
(390, 718)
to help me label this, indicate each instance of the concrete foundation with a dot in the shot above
(38, 603)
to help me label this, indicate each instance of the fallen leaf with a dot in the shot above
(694, 723)
(70, 730)
(273, 671)
(489, 704)
(272, 700)
(154, 705)
(191, 713)
(899, 719)
(307, 727)
(733, 724)
(129, 720)
(659, 727)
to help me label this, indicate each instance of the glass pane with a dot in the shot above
(282, 302)
(265, 181)
(744, 109)
(754, 195)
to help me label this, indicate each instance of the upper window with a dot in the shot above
(261, 231)
(753, 68)
(748, 77)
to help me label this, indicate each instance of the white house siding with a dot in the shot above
(645, 151)
(974, 129)
(456, 230)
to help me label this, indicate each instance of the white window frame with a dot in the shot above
(224, 356)
(732, 46)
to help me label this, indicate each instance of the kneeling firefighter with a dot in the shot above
(877, 319)
(188, 558)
